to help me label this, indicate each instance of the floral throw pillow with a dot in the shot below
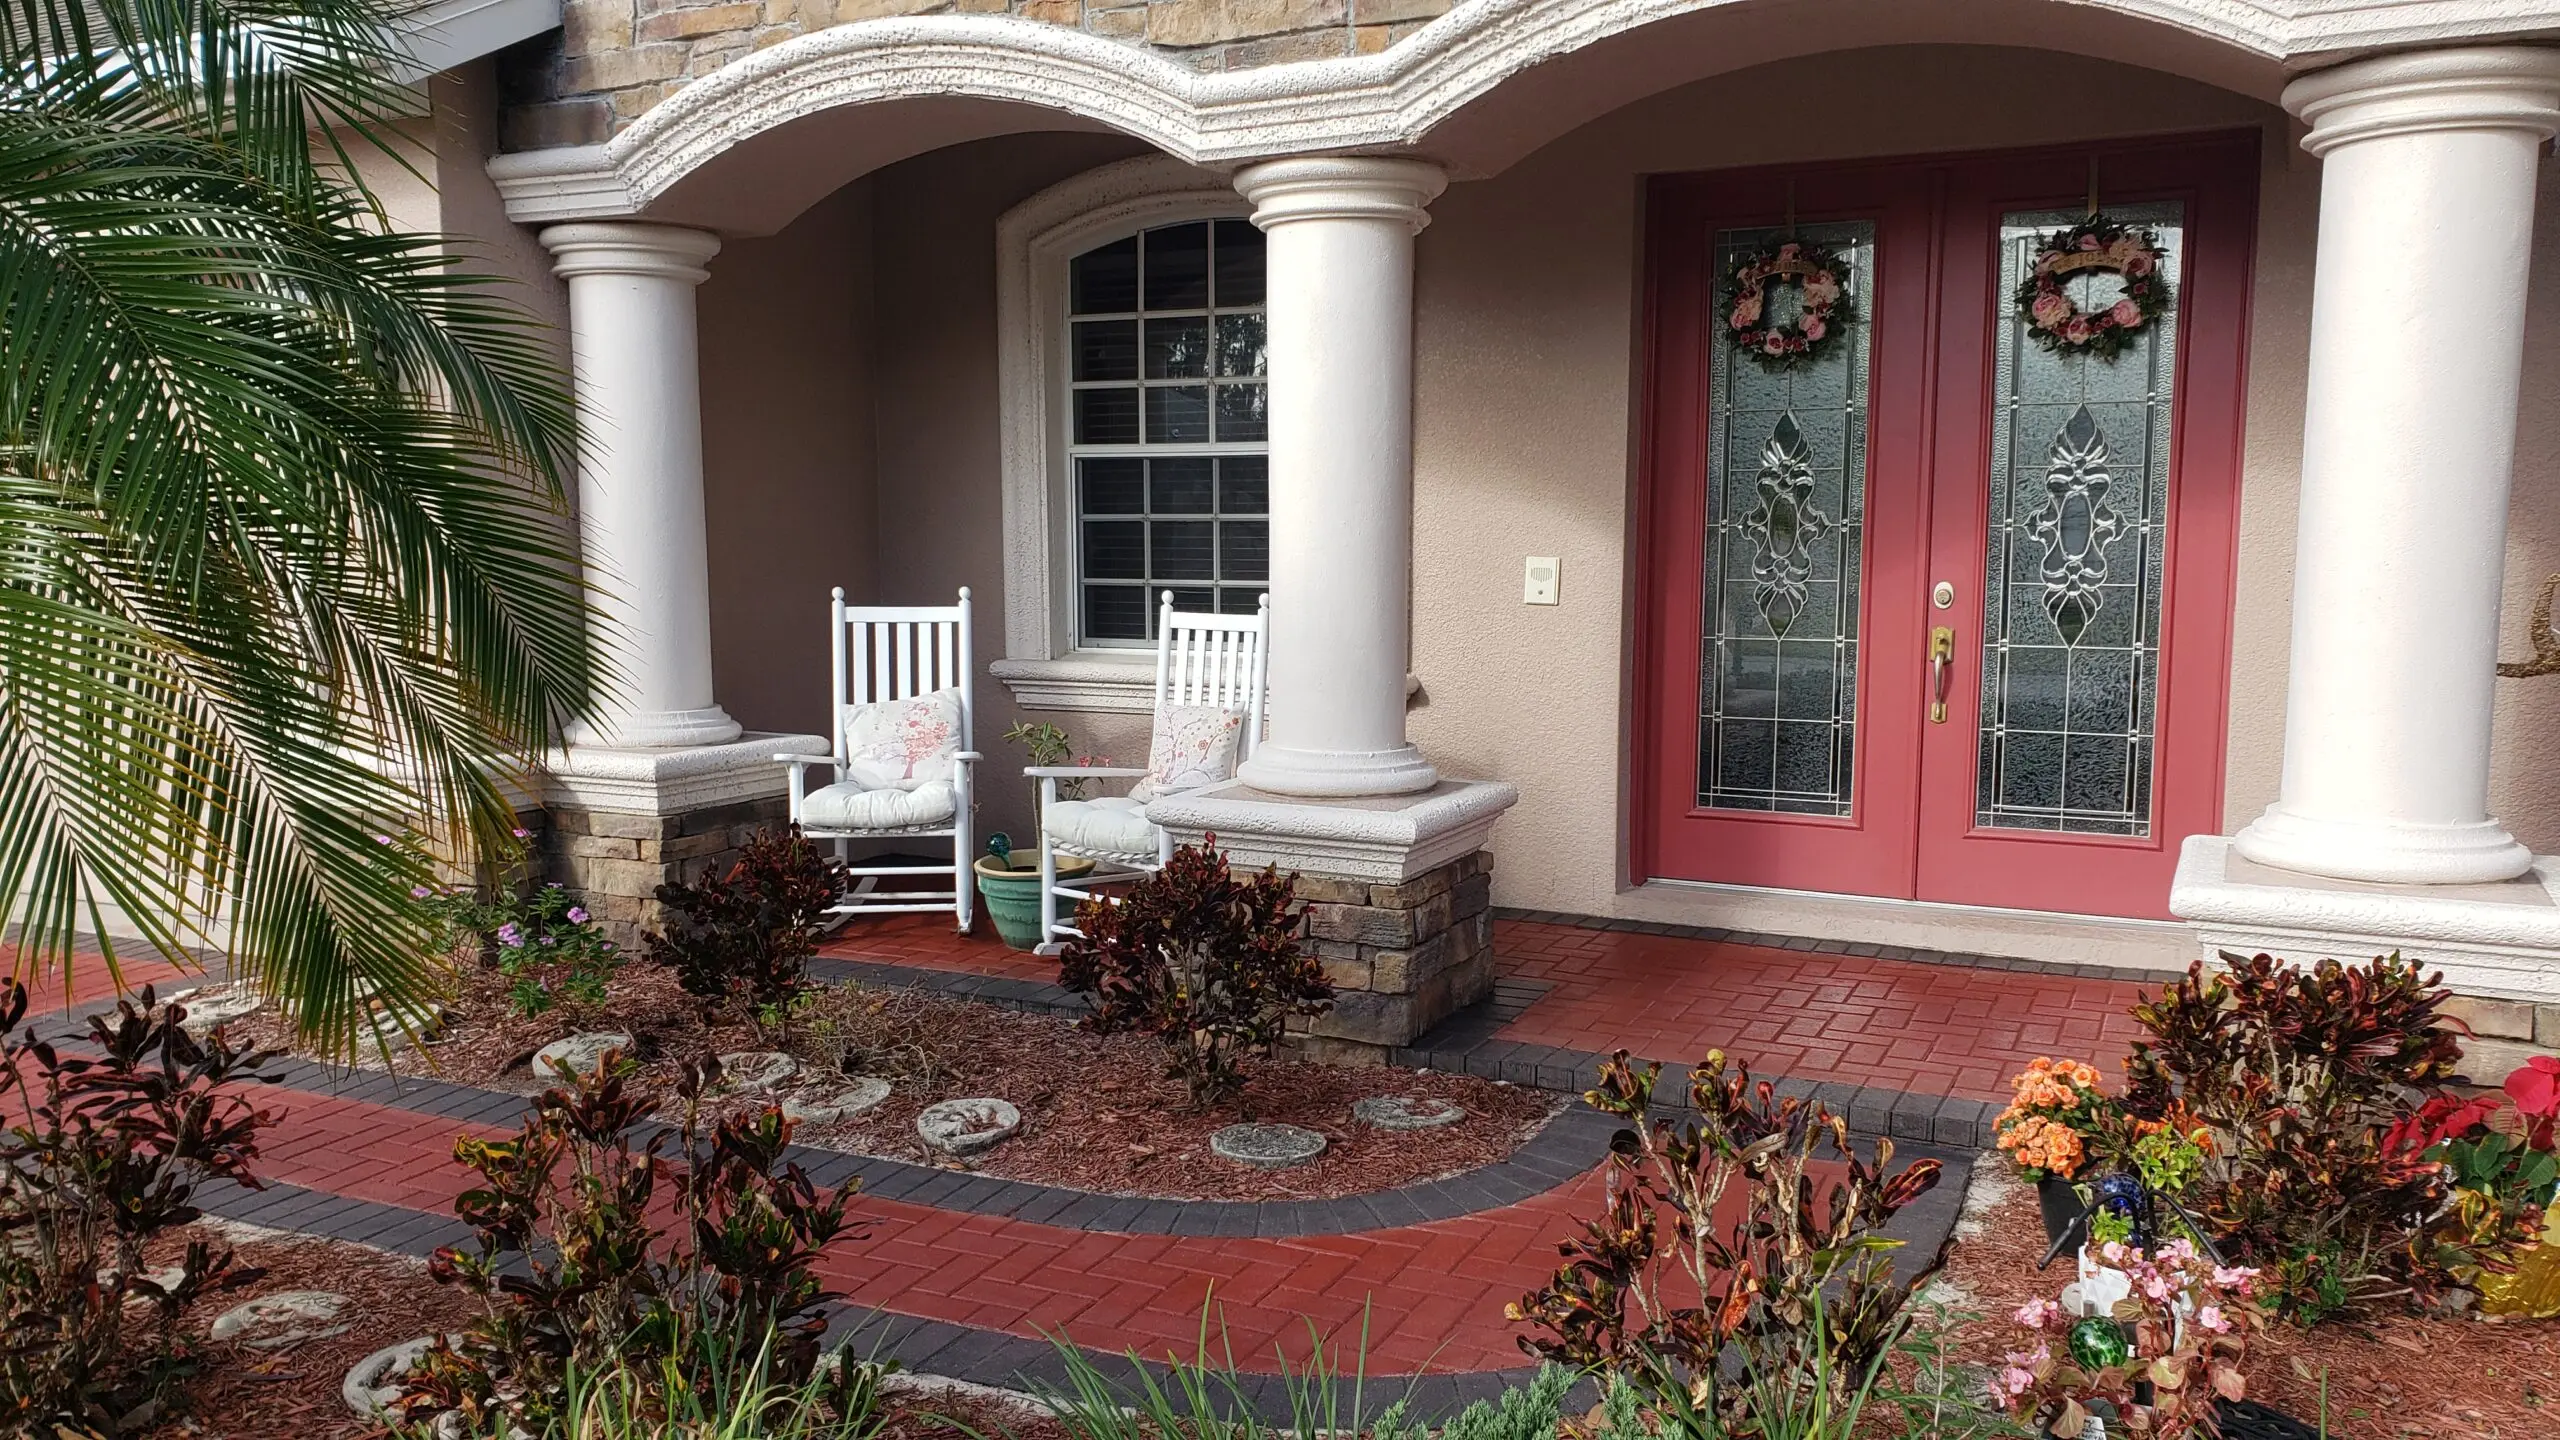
(1194, 745)
(901, 744)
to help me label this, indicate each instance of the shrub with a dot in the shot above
(2170, 1350)
(109, 1153)
(1796, 1281)
(744, 937)
(1206, 962)
(2502, 1165)
(571, 1272)
(544, 943)
(2298, 1076)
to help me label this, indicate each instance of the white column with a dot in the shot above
(1340, 309)
(2417, 343)
(640, 516)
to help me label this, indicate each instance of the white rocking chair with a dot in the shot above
(883, 655)
(1201, 659)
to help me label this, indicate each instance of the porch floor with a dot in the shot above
(1572, 990)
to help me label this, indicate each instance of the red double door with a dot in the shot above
(1943, 612)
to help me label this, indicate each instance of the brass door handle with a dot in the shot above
(1942, 657)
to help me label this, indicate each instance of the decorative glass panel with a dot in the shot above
(1786, 522)
(1166, 389)
(2079, 516)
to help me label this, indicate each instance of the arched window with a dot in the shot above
(1166, 419)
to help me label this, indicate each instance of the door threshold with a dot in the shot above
(2076, 944)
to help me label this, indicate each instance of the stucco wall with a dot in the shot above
(788, 382)
(1527, 316)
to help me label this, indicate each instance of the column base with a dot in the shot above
(2474, 853)
(2497, 944)
(620, 820)
(1285, 770)
(1398, 892)
(649, 729)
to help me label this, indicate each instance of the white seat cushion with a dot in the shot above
(849, 805)
(1112, 825)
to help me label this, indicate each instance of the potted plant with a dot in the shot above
(1008, 879)
(2055, 1128)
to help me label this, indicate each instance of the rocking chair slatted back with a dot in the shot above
(898, 652)
(1205, 659)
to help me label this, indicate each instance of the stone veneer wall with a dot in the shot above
(1401, 958)
(616, 860)
(2504, 1034)
(613, 59)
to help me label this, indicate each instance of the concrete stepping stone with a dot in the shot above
(966, 1127)
(1267, 1147)
(581, 1053)
(1406, 1112)
(866, 1093)
(756, 1069)
(284, 1319)
(373, 1382)
(210, 1005)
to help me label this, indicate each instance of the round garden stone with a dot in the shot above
(210, 1007)
(1267, 1147)
(756, 1069)
(373, 1382)
(581, 1053)
(286, 1318)
(1406, 1112)
(965, 1127)
(865, 1093)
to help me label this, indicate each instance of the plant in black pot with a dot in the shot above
(2061, 1129)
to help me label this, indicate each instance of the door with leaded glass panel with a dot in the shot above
(1942, 613)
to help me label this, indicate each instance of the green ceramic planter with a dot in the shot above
(1012, 893)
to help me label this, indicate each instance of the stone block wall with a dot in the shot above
(614, 59)
(2505, 1034)
(1401, 957)
(616, 860)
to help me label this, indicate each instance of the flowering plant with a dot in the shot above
(2056, 1116)
(545, 943)
(2168, 1350)
(2104, 246)
(1824, 306)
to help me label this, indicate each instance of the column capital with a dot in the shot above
(2484, 87)
(1341, 187)
(667, 252)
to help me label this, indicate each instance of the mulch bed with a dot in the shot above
(245, 1394)
(1098, 1113)
(2394, 1375)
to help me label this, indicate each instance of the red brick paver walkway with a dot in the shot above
(1936, 1029)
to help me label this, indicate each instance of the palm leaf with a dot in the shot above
(287, 590)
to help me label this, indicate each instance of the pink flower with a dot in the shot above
(1746, 311)
(2137, 265)
(2037, 1314)
(522, 833)
(419, 892)
(2051, 309)
(2115, 1253)
(2125, 313)
(2157, 1286)
(1776, 344)
(2212, 1318)
(577, 915)
(2235, 1278)
(1790, 250)
(2076, 330)
(1814, 329)
(2013, 1382)
(2090, 242)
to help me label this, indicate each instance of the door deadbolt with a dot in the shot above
(1944, 596)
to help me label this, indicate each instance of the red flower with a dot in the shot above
(2535, 1087)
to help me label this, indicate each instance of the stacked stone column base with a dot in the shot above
(1401, 957)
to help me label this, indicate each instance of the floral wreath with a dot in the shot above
(2097, 243)
(1820, 277)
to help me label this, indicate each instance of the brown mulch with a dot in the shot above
(2393, 1375)
(245, 1394)
(1097, 1112)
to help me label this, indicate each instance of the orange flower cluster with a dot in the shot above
(2040, 1144)
(2029, 1129)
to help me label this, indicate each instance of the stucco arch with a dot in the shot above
(1476, 89)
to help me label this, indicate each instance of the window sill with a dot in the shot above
(1086, 682)
(1099, 683)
